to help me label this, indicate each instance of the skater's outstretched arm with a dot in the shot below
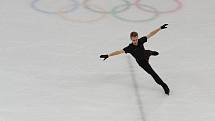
(153, 33)
(116, 53)
(112, 54)
(156, 31)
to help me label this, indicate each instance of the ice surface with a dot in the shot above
(50, 68)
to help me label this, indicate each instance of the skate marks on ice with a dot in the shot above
(136, 89)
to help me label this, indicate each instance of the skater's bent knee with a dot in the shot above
(156, 53)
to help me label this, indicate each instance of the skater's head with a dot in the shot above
(134, 37)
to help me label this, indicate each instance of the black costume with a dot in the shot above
(142, 57)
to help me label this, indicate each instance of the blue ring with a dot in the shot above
(34, 2)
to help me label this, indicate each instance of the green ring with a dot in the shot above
(156, 14)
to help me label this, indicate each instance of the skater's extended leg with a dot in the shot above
(147, 67)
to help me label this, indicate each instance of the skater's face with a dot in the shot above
(134, 40)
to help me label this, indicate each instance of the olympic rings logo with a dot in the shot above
(68, 11)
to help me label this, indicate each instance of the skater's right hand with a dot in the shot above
(104, 56)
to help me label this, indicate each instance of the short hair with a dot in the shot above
(133, 34)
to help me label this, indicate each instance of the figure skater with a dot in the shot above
(137, 50)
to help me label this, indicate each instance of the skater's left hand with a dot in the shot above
(164, 26)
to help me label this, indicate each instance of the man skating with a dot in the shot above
(137, 50)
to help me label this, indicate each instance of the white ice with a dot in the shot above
(50, 68)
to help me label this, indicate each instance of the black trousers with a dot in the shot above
(144, 63)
